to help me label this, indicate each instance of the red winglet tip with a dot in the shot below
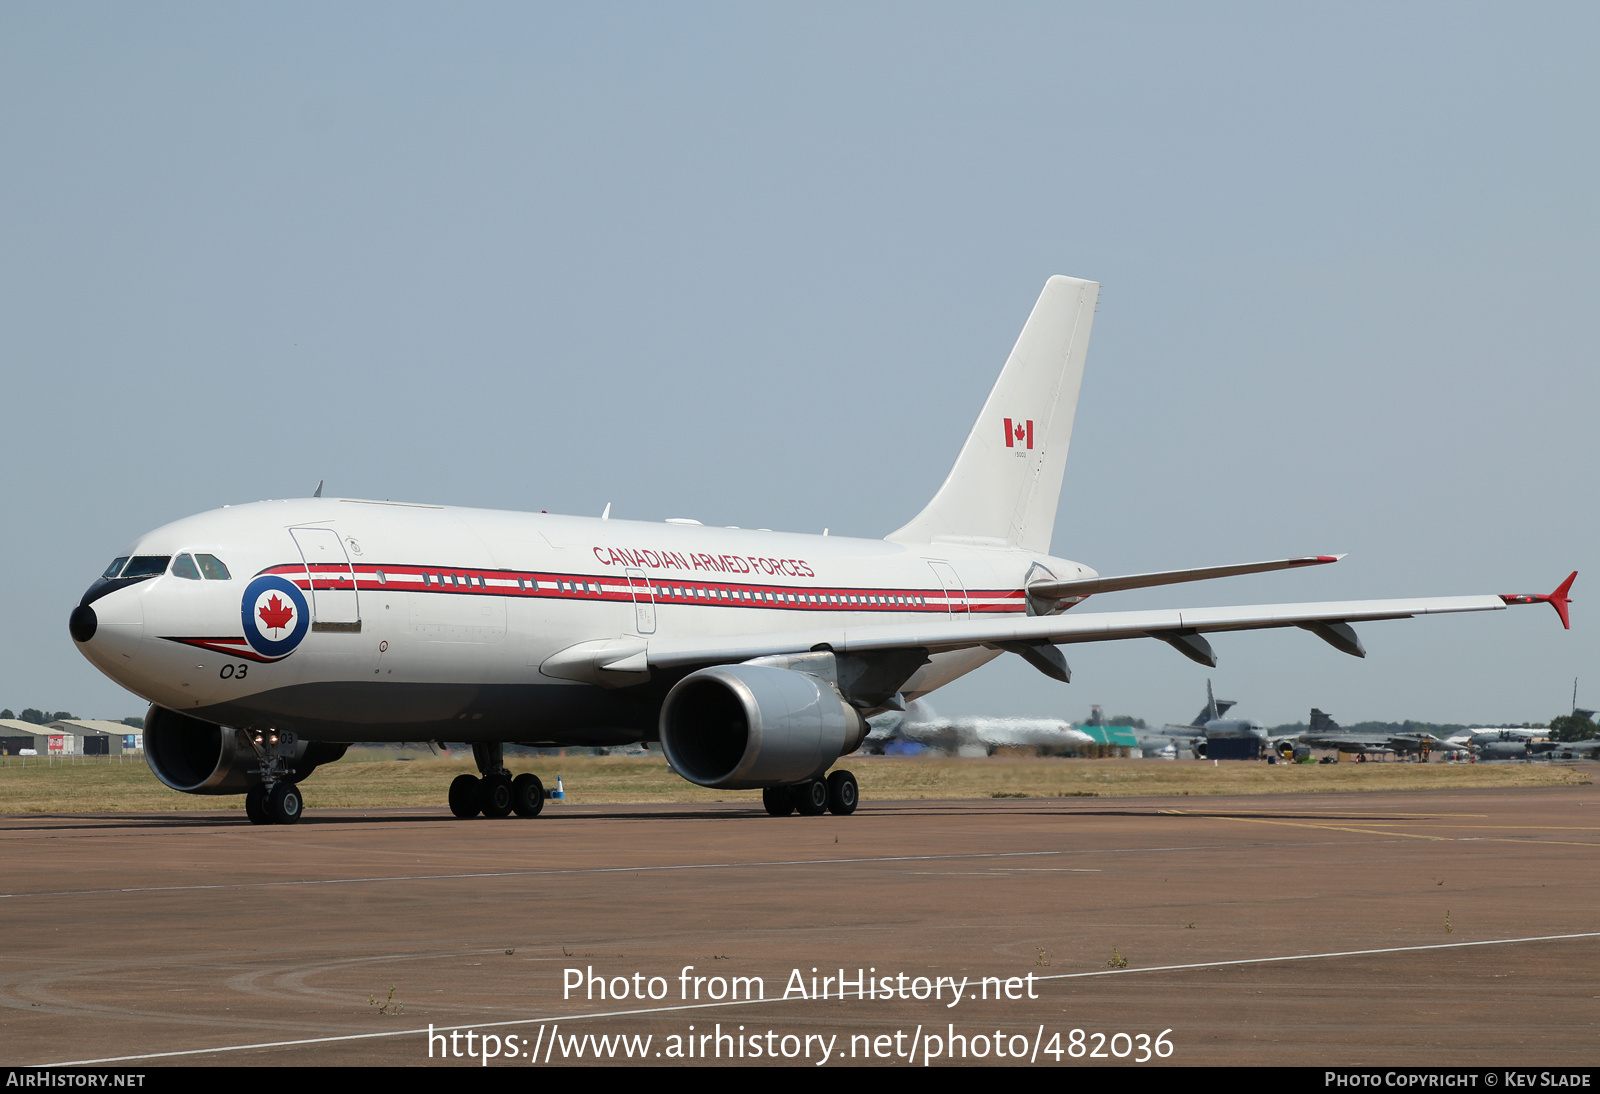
(1559, 600)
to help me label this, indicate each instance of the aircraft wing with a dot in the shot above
(1180, 627)
(1064, 590)
(1346, 744)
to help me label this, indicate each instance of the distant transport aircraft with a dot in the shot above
(1516, 743)
(1210, 736)
(1499, 743)
(267, 637)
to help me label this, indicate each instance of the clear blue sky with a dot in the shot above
(759, 264)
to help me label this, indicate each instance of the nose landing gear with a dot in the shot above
(275, 799)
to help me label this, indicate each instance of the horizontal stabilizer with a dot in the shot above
(1066, 590)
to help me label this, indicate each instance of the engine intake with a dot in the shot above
(741, 727)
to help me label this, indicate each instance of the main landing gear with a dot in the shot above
(496, 793)
(837, 794)
(275, 799)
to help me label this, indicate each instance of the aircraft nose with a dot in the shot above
(82, 623)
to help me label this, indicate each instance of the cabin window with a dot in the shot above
(213, 569)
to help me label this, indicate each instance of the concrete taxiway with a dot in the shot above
(1386, 929)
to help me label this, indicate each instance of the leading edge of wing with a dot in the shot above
(1056, 629)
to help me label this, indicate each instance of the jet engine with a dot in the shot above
(740, 727)
(204, 758)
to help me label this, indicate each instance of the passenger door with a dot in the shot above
(955, 593)
(334, 602)
(644, 601)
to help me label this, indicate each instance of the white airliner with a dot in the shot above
(269, 636)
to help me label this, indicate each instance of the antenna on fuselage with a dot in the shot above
(317, 493)
(607, 514)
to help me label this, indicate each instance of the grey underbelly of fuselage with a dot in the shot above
(353, 712)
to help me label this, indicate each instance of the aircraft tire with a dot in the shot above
(778, 800)
(284, 805)
(843, 793)
(255, 805)
(496, 795)
(464, 797)
(810, 797)
(527, 795)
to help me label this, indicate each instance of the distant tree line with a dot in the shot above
(37, 717)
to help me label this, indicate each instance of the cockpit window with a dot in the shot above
(146, 565)
(183, 566)
(115, 567)
(212, 567)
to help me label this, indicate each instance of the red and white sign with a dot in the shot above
(1019, 432)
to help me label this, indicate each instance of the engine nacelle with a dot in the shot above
(741, 727)
(204, 758)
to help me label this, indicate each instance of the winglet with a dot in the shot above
(1557, 600)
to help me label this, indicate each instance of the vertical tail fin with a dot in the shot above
(1006, 482)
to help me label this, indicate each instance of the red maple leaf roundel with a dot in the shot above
(275, 613)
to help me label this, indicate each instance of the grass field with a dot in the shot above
(124, 785)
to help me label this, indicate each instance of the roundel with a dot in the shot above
(275, 616)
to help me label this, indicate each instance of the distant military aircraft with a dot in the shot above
(1210, 735)
(1498, 743)
(1326, 733)
(1566, 750)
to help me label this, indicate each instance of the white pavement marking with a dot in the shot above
(749, 1002)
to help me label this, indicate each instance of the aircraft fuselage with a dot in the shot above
(421, 622)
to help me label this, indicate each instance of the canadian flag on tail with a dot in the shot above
(1018, 432)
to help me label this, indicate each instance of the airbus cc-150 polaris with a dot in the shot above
(268, 637)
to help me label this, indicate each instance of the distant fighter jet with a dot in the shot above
(1326, 733)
